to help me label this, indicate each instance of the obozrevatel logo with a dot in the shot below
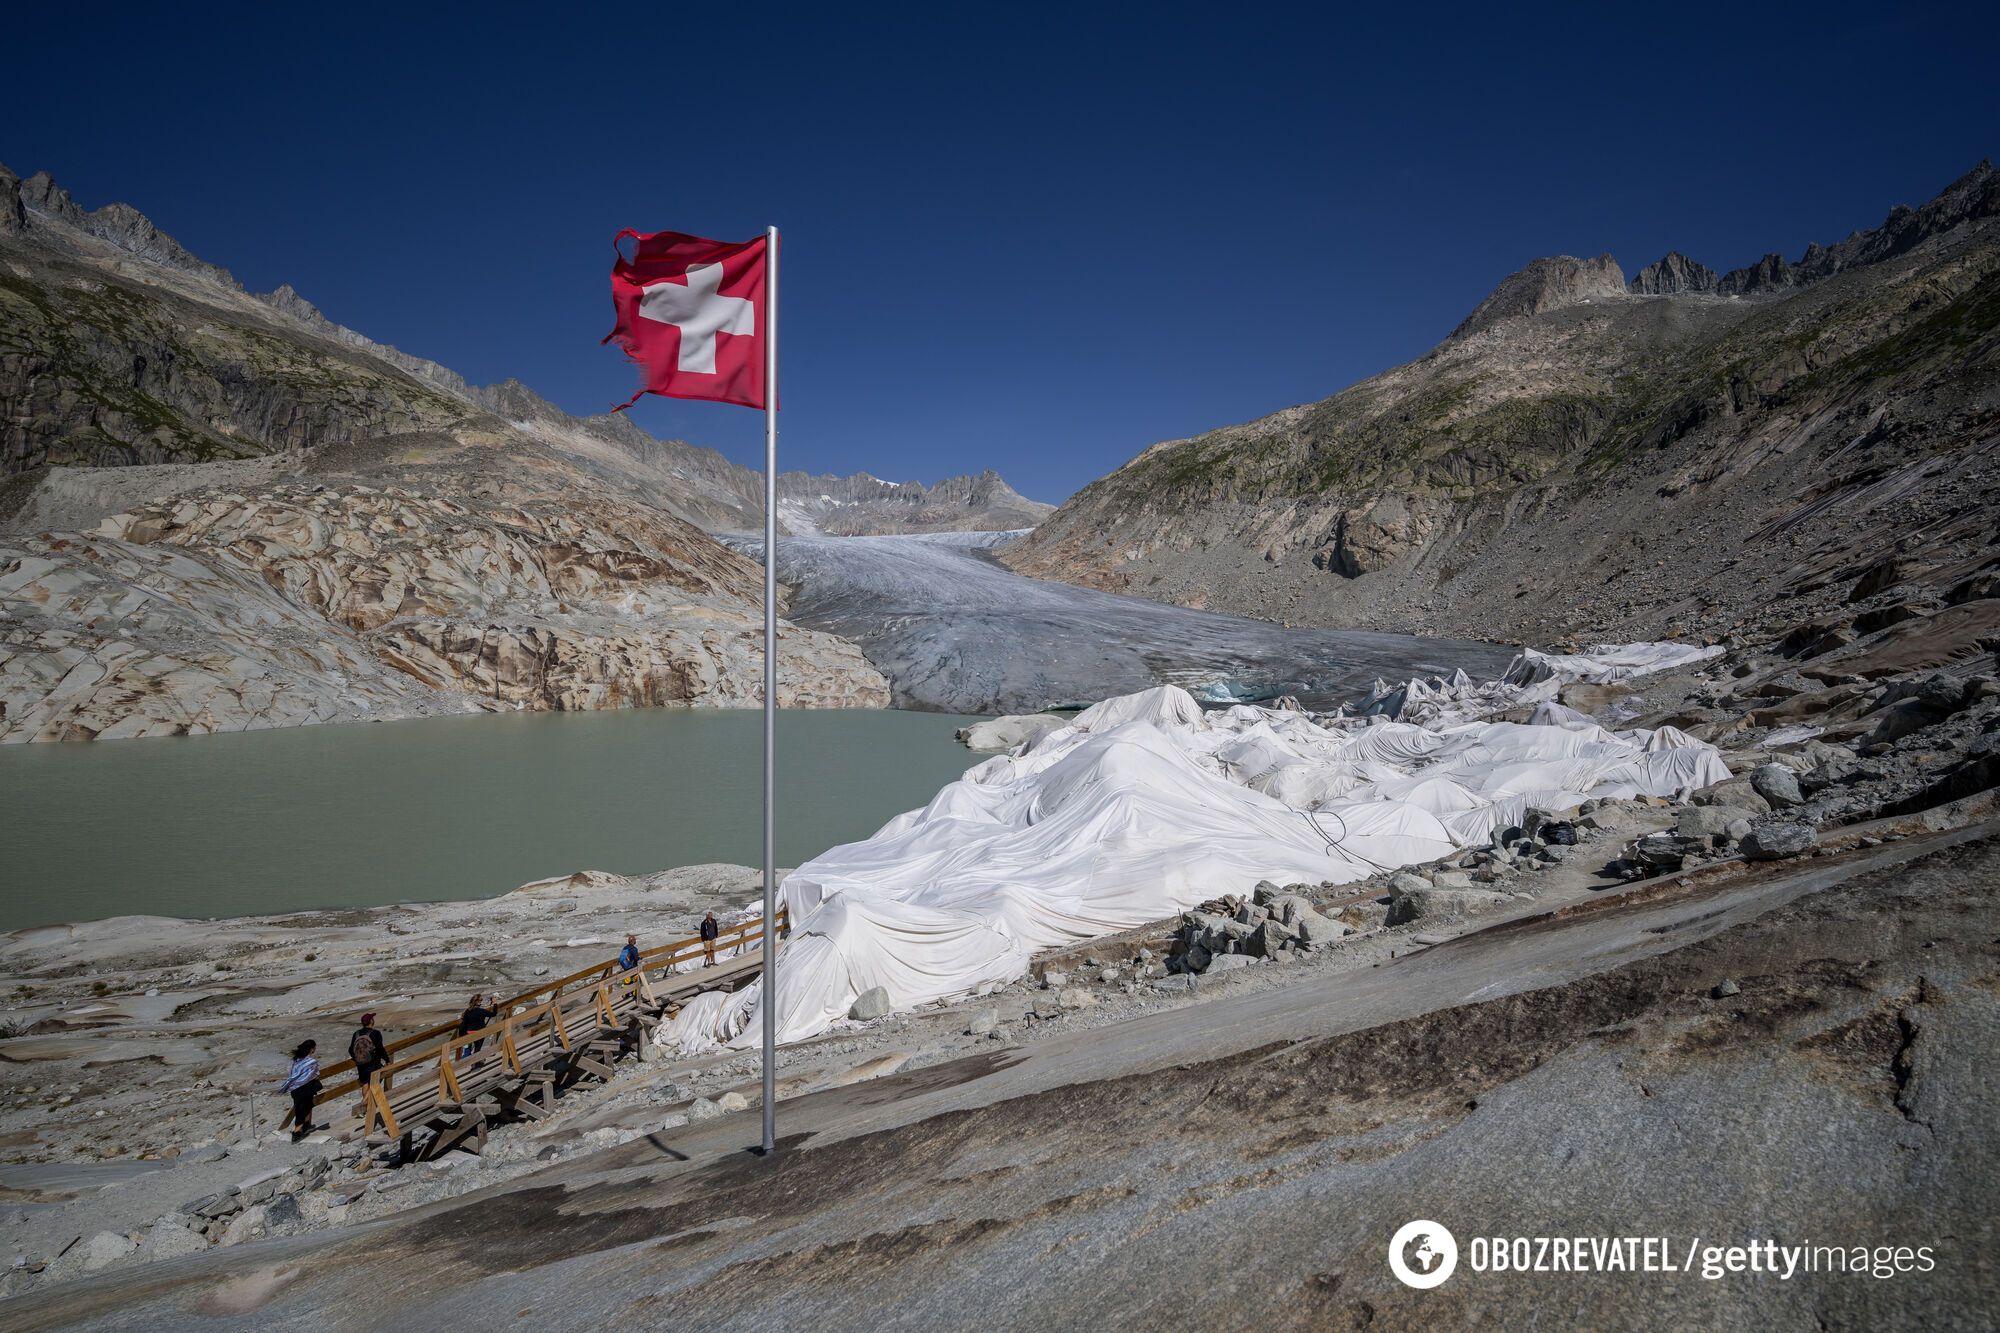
(1422, 1254)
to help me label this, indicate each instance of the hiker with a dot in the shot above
(628, 957)
(709, 930)
(304, 1085)
(367, 1049)
(475, 1017)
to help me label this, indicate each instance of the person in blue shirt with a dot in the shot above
(628, 957)
(304, 1085)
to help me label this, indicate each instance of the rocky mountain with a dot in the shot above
(867, 506)
(224, 511)
(1674, 274)
(1547, 284)
(1803, 448)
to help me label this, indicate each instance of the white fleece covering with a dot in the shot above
(1145, 806)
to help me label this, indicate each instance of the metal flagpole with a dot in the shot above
(770, 687)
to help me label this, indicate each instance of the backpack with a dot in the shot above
(362, 1050)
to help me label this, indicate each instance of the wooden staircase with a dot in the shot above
(442, 1090)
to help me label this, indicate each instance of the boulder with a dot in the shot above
(1778, 785)
(871, 1004)
(104, 1249)
(1266, 940)
(1739, 792)
(1290, 907)
(701, 1108)
(1536, 820)
(983, 1022)
(1777, 839)
(1229, 962)
(1315, 930)
(1436, 904)
(1902, 718)
(1404, 882)
(169, 1240)
(1076, 997)
(1708, 823)
(250, 1222)
(1658, 853)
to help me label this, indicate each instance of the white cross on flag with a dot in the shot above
(692, 313)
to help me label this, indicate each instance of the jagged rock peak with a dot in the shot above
(1547, 284)
(38, 200)
(286, 298)
(1973, 196)
(41, 193)
(1672, 275)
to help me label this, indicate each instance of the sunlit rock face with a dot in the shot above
(1688, 455)
(221, 611)
(221, 510)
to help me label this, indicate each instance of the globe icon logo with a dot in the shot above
(1422, 1254)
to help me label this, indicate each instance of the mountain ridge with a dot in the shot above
(221, 511)
(1582, 460)
(696, 483)
(862, 505)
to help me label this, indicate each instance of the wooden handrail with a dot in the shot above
(508, 1013)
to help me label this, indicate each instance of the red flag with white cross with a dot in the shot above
(693, 314)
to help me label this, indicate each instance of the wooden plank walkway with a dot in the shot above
(443, 1090)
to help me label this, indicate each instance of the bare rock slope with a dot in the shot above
(226, 512)
(1582, 458)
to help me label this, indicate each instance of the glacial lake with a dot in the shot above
(440, 808)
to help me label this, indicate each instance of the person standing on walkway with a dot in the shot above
(303, 1084)
(709, 930)
(475, 1017)
(367, 1049)
(628, 957)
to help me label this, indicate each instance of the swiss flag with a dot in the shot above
(693, 314)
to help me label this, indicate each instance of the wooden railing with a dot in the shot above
(435, 1044)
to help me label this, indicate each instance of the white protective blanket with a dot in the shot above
(1145, 806)
(1531, 678)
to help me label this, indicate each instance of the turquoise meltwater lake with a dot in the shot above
(439, 808)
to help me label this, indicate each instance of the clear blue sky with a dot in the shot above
(1032, 237)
